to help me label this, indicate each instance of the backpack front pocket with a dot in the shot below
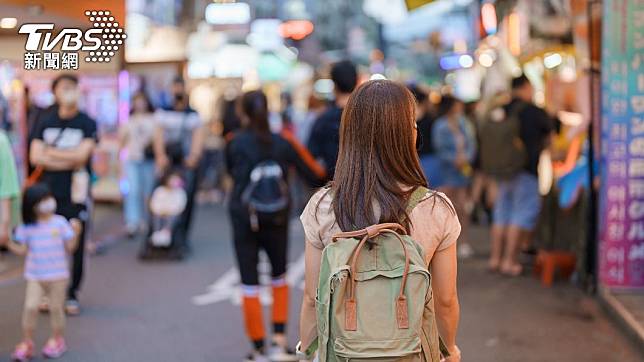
(361, 349)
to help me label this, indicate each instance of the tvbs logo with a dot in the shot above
(99, 43)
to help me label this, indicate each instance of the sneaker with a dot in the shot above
(23, 352)
(256, 356)
(54, 348)
(465, 251)
(72, 307)
(277, 353)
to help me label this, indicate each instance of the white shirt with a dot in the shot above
(138, 131)
(167, 201)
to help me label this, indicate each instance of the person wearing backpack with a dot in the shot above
(371, 236)
(512, 139)
(258, 162)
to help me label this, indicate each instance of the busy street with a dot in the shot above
(325, 181)
(130, 315)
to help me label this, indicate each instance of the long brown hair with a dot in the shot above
(377, 162)
(254, 106)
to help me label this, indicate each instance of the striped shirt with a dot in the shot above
(47, 257)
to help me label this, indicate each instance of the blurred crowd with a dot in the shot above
(482, 155)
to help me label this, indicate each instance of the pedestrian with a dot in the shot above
(303, 121)
(518, 201)
(455, 144)
(61, 150)
(258, 162)
(45, 238)
(484, 185)
(425, 119)
(304, 124)
(178, 143)
(229, 117)
(287, 112)
(212, 164)
(9, 190)
(377, 173)
(135, 138)
(324, 140)
(33, 115)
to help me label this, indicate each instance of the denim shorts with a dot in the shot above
(518, 202)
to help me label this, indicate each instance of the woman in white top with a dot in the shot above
(136, 138)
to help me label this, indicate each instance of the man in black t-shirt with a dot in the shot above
(62, 145)
(324, 141)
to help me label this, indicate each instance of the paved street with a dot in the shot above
(160, 311)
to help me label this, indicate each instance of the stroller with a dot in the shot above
(167, 229)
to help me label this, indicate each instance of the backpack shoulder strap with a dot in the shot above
(416, 197)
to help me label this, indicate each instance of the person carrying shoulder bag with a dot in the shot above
(60, 153)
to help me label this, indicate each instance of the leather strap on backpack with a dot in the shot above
(402, 316)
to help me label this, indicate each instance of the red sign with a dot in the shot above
(296, 29)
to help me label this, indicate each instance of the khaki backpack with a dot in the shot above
(374, 298)
(502, 152)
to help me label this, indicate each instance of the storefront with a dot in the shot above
(98, 83)
(621, 207)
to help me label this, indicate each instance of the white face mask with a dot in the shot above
(69, 97)
(47, 206)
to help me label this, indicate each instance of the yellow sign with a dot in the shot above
(415, 4)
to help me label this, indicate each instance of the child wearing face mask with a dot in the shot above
(46, 239)
(167, 203)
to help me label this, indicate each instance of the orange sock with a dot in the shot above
(280, 302)
(253, 317)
